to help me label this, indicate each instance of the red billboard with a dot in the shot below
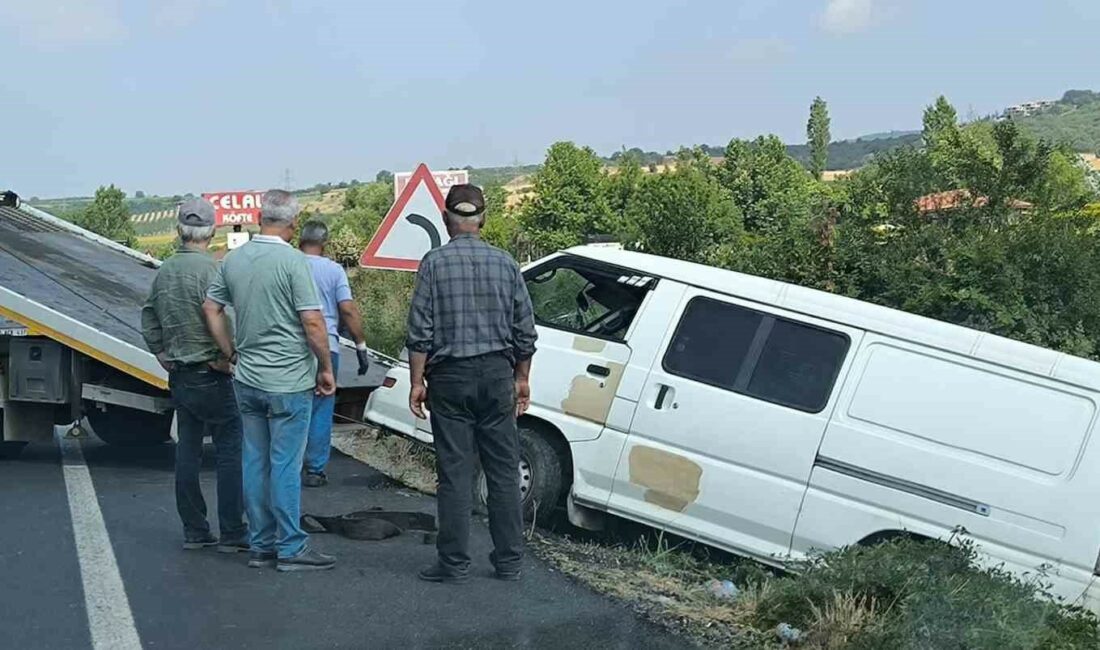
(443, 179)
(233, 208)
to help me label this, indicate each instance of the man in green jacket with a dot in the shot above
(198, 375)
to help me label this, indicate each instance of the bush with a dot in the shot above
(910, 593)
(383, 298)
(345, 246)
(164, 250)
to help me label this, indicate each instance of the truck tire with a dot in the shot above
(124, 427)
(540, 481)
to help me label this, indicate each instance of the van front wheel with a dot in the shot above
(540, 477)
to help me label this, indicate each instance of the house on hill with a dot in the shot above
(1029, 108)
(941, 203)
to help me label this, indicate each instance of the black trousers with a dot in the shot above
(206, 404)
(472, 404)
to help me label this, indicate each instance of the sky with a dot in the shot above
(181, 96)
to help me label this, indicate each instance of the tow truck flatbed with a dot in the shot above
(61, 282)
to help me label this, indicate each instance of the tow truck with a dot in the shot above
(71, 350)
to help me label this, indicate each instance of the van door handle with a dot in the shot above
(599, 371)
(662, 393)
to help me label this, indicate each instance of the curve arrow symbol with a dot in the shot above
(428, 226)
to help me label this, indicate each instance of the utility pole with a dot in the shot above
(286, 179)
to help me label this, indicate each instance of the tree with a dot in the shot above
(365, 206)
(568, 204)
(767, 185)
(139, 194)
(1080, 97)
(684, 214)
(817, 137)
(939, 119)
(384, 176)
(624, 181)
(696, 157)
(501, 228)
(107, 215)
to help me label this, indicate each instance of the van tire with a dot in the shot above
(541, 476)
(123, 427)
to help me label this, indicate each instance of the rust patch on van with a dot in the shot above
(671, 480)
(590, 345)
(590, 397)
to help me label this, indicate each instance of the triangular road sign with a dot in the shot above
(412, 227)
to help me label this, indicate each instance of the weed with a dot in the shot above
(835, 623)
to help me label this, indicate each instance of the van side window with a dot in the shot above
(798, 366)
(578, 297)
(756, 354)
(712, 342)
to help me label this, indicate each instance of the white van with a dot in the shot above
(769, 419)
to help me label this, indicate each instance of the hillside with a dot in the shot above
(1074, 120)
(849, 154)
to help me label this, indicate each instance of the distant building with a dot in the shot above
(1029, 108)
(931, 205)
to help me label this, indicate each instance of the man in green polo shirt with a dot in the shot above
(282, 358)
(198, 376)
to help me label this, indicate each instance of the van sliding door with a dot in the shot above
(730, 418)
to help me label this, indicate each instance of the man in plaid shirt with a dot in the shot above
(471, 333)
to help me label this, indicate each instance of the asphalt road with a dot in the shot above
(202, 599)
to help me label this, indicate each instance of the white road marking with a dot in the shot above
(109, 617)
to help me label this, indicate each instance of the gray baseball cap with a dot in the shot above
(196, 212)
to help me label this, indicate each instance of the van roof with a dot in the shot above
(856, 313)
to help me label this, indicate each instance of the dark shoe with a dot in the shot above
(199, 541)
(438, 573)
(508, 576)
(307, 560)
(262, 559)
(314, 480)
(237, 546)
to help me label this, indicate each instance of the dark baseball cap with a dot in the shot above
(465, 200)
(196, 212)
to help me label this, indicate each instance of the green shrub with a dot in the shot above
(383, 298)
(345, 246)
(922, 595)
(163, 251)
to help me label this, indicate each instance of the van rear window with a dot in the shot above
(756, 354)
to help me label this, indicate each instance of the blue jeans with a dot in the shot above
(320, 427)
(275, 429)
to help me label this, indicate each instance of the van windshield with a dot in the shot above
(584, 300)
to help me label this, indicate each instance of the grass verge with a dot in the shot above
(904, 593)
(400, 459)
